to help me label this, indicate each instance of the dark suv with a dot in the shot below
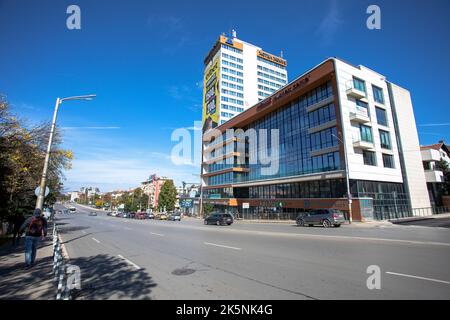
(324, 217)
(219, 219)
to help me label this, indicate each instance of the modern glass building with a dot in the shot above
(338, 129)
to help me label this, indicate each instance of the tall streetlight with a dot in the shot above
(347, 179)
(41, 196)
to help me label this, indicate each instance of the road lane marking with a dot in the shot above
(126, 228)
(221, 246)
(417, 277)
(157, 234)
(95, 240)
(129, 262)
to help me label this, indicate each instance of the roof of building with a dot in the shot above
(437, 146)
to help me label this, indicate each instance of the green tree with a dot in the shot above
(443, 166)
(22, 152)
(208, 208)
(168, 196)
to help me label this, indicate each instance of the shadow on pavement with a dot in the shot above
(108, 277)
(16, 283)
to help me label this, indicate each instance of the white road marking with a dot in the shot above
(95, 240)
(82, 231)
(126, 228)
(221, 246)
(416, 277)
(157, 234)
(129, 262)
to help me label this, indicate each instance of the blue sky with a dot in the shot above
(144, 60)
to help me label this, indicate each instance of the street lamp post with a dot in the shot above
(347, 180)
(41, 196)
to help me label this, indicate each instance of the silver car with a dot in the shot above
(324, 217)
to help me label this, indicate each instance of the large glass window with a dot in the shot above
(385, 139)
(324, 139)
(322, 115)
(366, 133)
(381, 117)
(359, 84)
(369, 158)
(378, 94)
(388, 161)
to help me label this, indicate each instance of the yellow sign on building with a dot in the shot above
(211, 101)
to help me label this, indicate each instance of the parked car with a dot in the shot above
(131, 215)
(219, 219)
(150, 216)
(175, 217)
(141, 215)
(93, 214)
(324, 217)
(124, 215)
(161, 216)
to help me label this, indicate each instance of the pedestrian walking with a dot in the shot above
(35, 229)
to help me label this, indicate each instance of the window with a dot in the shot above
(369, 158)
(427, 165)
(378, 94)
(359, 84)
(385, 139)
(381, 117)
(388, 161)
(360, 104)
(366, 133)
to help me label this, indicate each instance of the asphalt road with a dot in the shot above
(146, 259)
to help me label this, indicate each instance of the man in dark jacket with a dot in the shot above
(35, 228)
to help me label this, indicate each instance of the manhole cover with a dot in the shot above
(183, 272)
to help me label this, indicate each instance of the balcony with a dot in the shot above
(434, 176)
(360, 116)
(361, 144)
(354, 92)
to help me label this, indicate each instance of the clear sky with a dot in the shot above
(144, 60)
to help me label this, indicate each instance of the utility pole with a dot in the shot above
(43, 184)
(347, 180)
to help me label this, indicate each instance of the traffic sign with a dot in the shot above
(38, 190)
(246, 205)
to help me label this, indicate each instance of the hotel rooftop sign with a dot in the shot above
(271, 58)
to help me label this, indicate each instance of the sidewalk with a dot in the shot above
(36, 283)
(420, 218)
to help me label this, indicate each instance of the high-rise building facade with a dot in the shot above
(238, 75)
(338, 129)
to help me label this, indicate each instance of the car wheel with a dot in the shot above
(310, 225)
(337, 225)
(301, 223)
(326, 223)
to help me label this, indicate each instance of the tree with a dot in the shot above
(168, 196)
(444, 166)
(208, 208)
(22, 152)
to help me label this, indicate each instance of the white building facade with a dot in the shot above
(343, 130)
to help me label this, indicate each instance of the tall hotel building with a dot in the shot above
(237, 76)
(340, 127)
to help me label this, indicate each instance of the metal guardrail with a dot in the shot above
(59, 268)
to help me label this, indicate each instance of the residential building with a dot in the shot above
(152, 187)
(431, 156)
(339, 129)
(238, 75)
